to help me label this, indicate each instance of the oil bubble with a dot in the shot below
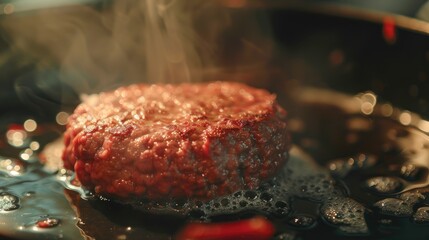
(282, 208)
(400, 207)
(266, 197)
(243, 204)
(224, 202)
(394, 207)
(8, 202)
(250, 195)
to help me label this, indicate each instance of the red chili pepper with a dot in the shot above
(257, 228)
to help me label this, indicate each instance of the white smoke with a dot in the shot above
(100, 47)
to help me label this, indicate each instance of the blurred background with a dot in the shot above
(406, 8)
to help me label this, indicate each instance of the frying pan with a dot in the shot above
(332, 47)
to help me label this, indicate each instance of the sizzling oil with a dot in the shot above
(359, 176)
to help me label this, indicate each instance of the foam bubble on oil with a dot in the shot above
(345, 213)
(300, 178)
(403, 206)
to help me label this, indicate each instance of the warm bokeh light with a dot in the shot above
(386, 110)
(62, 118)
(405, 118)
(30, 125)
(8, 8)
(368, 102)
(34, 145)
(16, 138)
(26, 154)
(13, 167)
(367, 108)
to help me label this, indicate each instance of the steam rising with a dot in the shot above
(94, 48)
